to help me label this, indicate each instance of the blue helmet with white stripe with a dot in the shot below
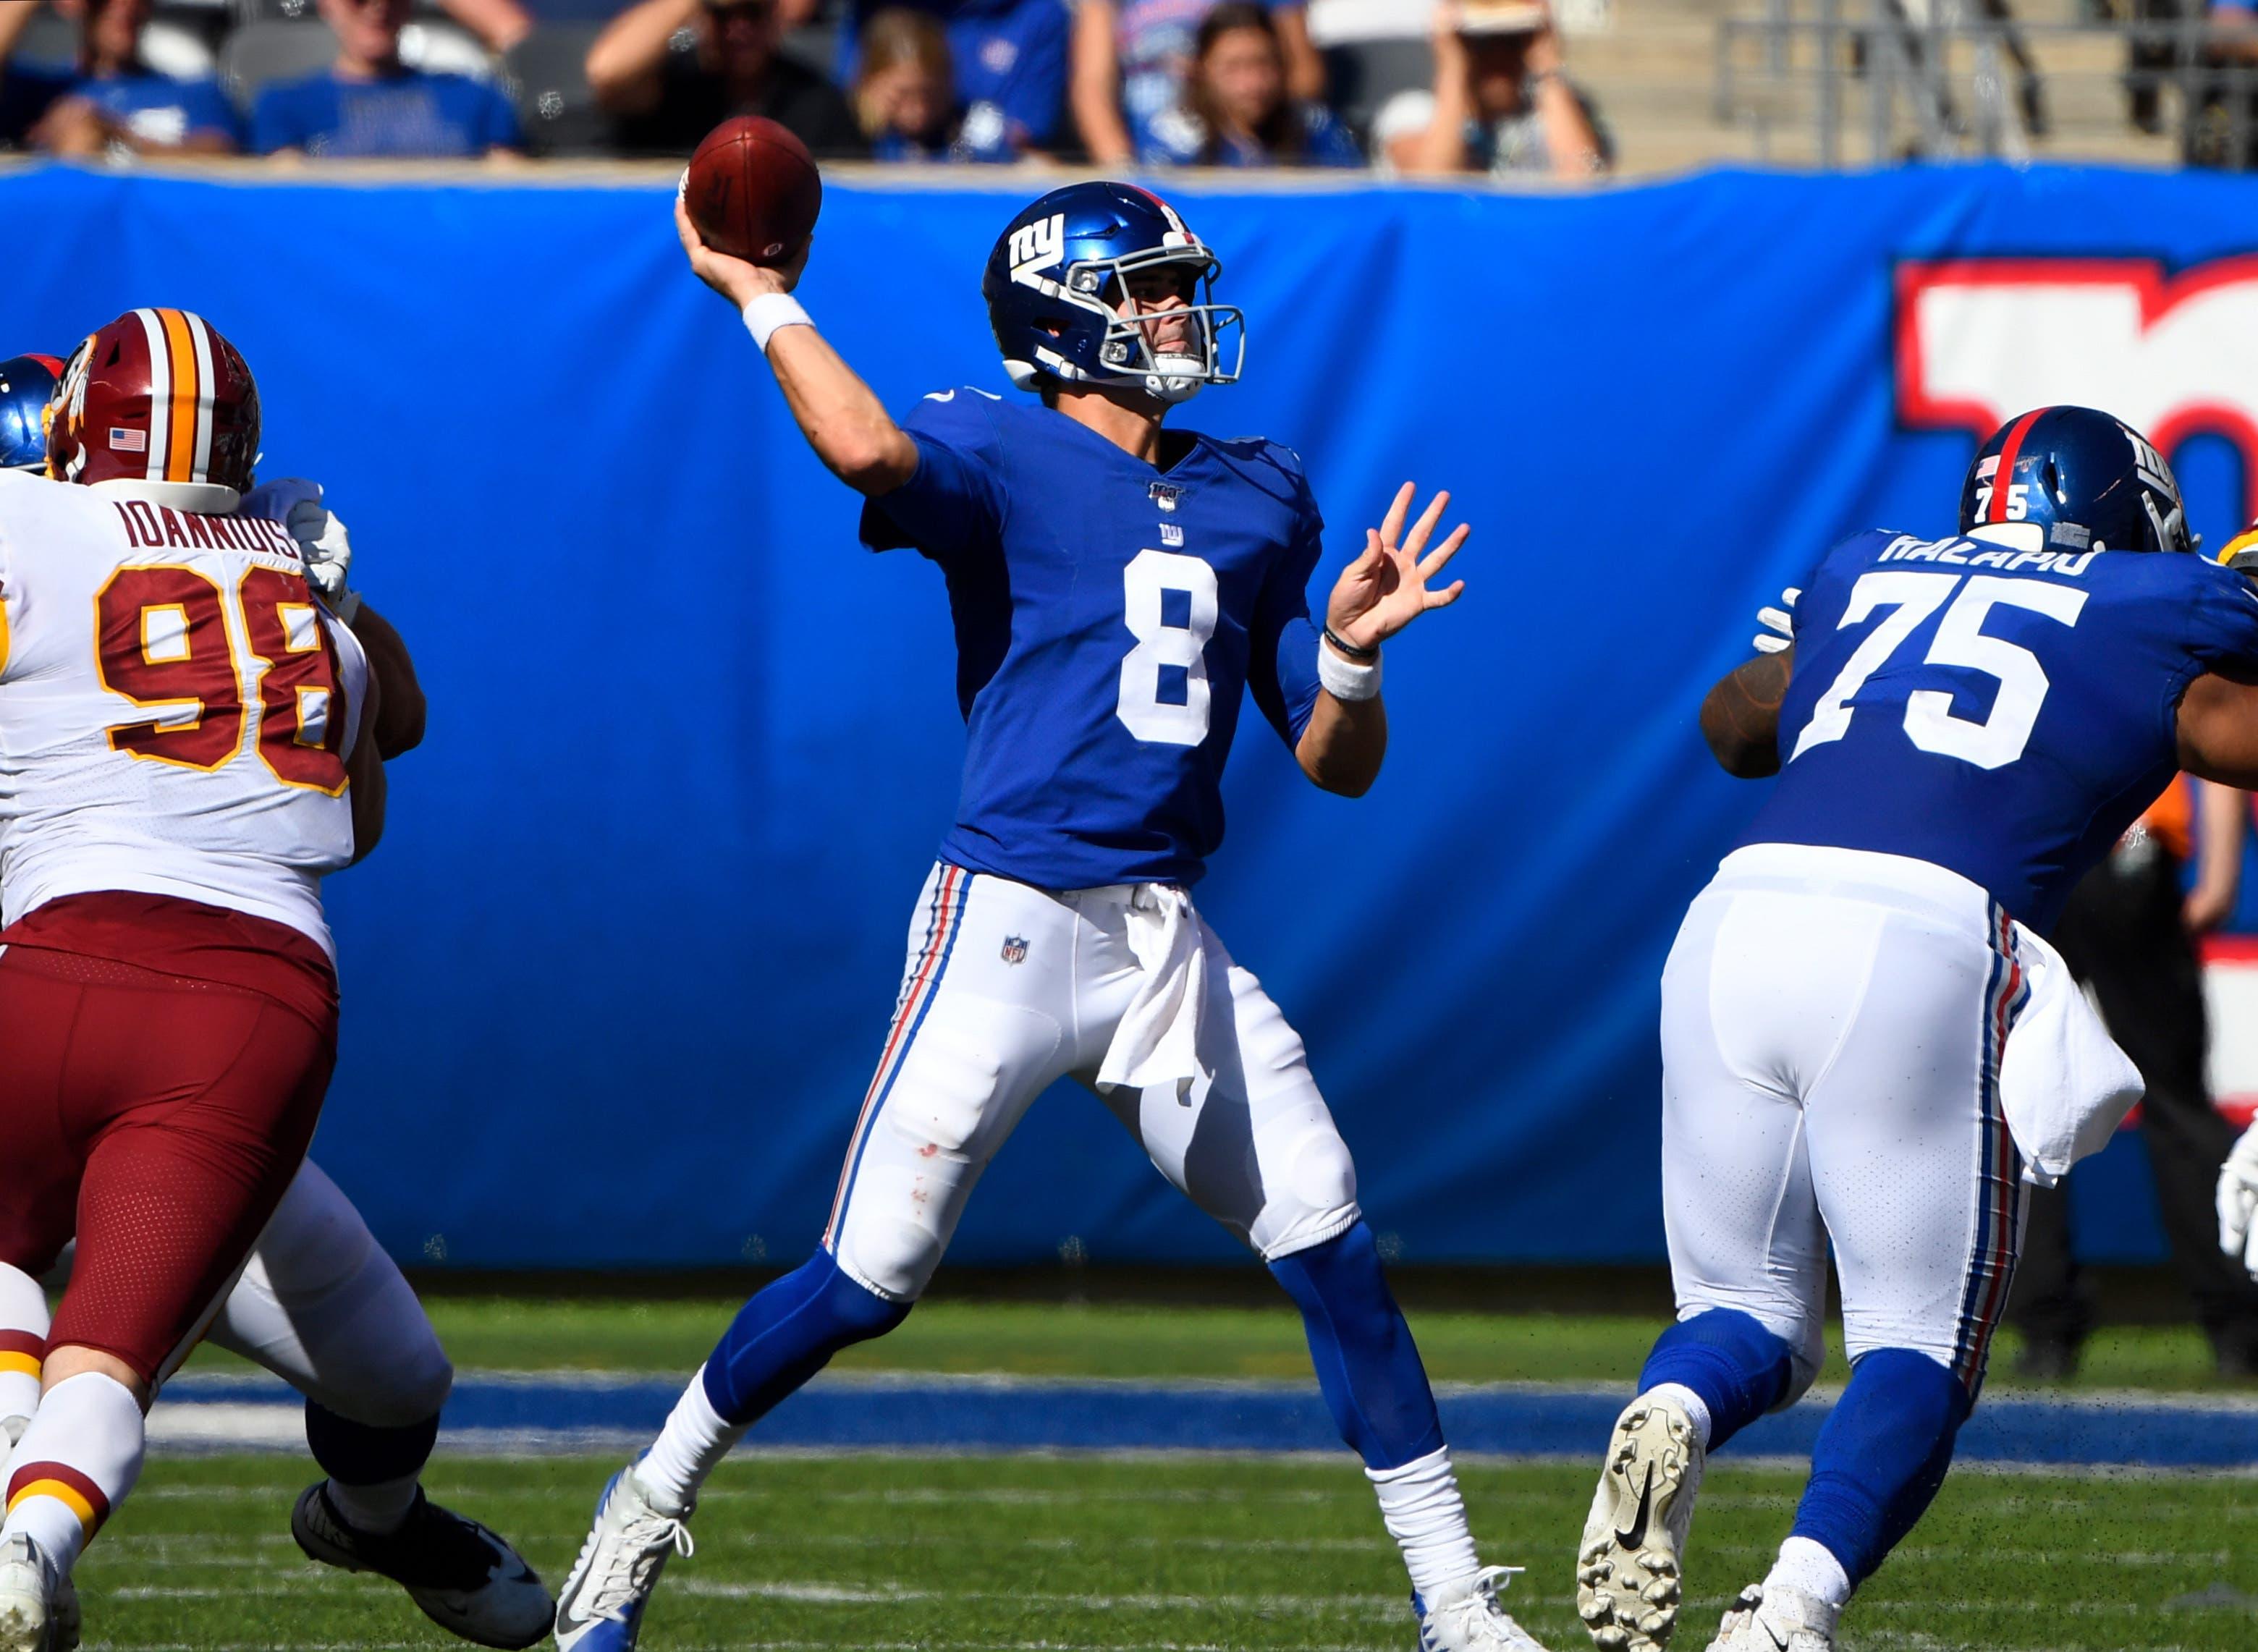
(2088, 478)
(1058, 292)
(27, 384)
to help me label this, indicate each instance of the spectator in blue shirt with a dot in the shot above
(1236, 111)
(115, 103)
(1130, 59)
(1009, 59)
(368, 103)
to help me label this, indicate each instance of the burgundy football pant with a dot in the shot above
(157, 1118)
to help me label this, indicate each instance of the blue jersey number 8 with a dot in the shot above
(1929, 723)
(1171, 647)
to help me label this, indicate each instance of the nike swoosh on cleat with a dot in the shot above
(1636, 1537)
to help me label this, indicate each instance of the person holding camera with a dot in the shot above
(1503, 102)
(670, 71)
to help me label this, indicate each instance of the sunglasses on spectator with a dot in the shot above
(754, 8)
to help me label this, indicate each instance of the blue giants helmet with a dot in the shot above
(1056, 287)
(26, 383)
(2091, 481)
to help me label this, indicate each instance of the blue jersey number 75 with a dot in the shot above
(1929, 723)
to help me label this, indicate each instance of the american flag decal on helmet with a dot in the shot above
(122, 441)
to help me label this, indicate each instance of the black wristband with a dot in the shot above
(1349, 651)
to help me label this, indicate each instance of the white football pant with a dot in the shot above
(323, 1307)
(1010, 988)
(1832, 1024)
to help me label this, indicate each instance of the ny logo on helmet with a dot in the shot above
(2174, 353)
(1038, 245)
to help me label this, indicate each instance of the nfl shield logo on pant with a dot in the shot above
(1015, 949)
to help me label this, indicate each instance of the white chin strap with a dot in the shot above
(1176, 378)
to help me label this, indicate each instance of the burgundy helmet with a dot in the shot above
(156, 396)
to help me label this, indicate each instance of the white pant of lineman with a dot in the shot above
(320, 1305)
(1009, 988)
(1832, 1026)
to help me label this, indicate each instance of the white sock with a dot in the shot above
(375, 1509)
(75, 1464)
(1810, 1568)
(1427, 1518)
(688, 1449)
(1695, 1407)
(23, 1341)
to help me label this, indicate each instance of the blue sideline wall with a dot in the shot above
(616, 980)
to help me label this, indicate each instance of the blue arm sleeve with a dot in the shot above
(1281, 660)
(954, 503)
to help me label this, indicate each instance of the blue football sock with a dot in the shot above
(788, 1332)
(1740, 1369)
(1368, 1368)
(1881, 1456)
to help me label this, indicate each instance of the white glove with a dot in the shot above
(1779, 634)
(296, 503)
(2237, 1198)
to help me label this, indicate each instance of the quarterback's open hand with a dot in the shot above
(2238, 1198)
(1385, 589)
(734, 279)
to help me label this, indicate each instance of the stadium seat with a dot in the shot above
(1360, 76)
(547, 73)
(49, 43)
(259, 53)
(177, 41)
(302, 10)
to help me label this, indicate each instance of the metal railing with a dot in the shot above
(1965, 78)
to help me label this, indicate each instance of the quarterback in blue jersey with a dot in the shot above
(1962, 728)
(1116, 587)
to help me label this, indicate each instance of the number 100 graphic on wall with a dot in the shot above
(1170, 609)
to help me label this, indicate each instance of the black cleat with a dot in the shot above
(467, 1580)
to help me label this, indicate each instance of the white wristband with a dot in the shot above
(766, 314)
(1343, 678)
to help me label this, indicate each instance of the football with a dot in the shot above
(753, 190)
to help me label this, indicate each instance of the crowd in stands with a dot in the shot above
(1112, 83)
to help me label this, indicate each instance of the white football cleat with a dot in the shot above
(1469, 1619)
(39, 1608)
(1776, 1620)
(1628, 1587)
(601, 1606)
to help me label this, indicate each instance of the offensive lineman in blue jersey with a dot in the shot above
(1114, 585)
(1962, 728)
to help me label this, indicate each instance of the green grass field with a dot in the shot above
(1027, 1552)
(875, 1553)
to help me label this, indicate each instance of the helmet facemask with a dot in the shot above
(1126, 353)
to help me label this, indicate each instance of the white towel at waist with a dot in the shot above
(1158, 1040)
(2063, 1083)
